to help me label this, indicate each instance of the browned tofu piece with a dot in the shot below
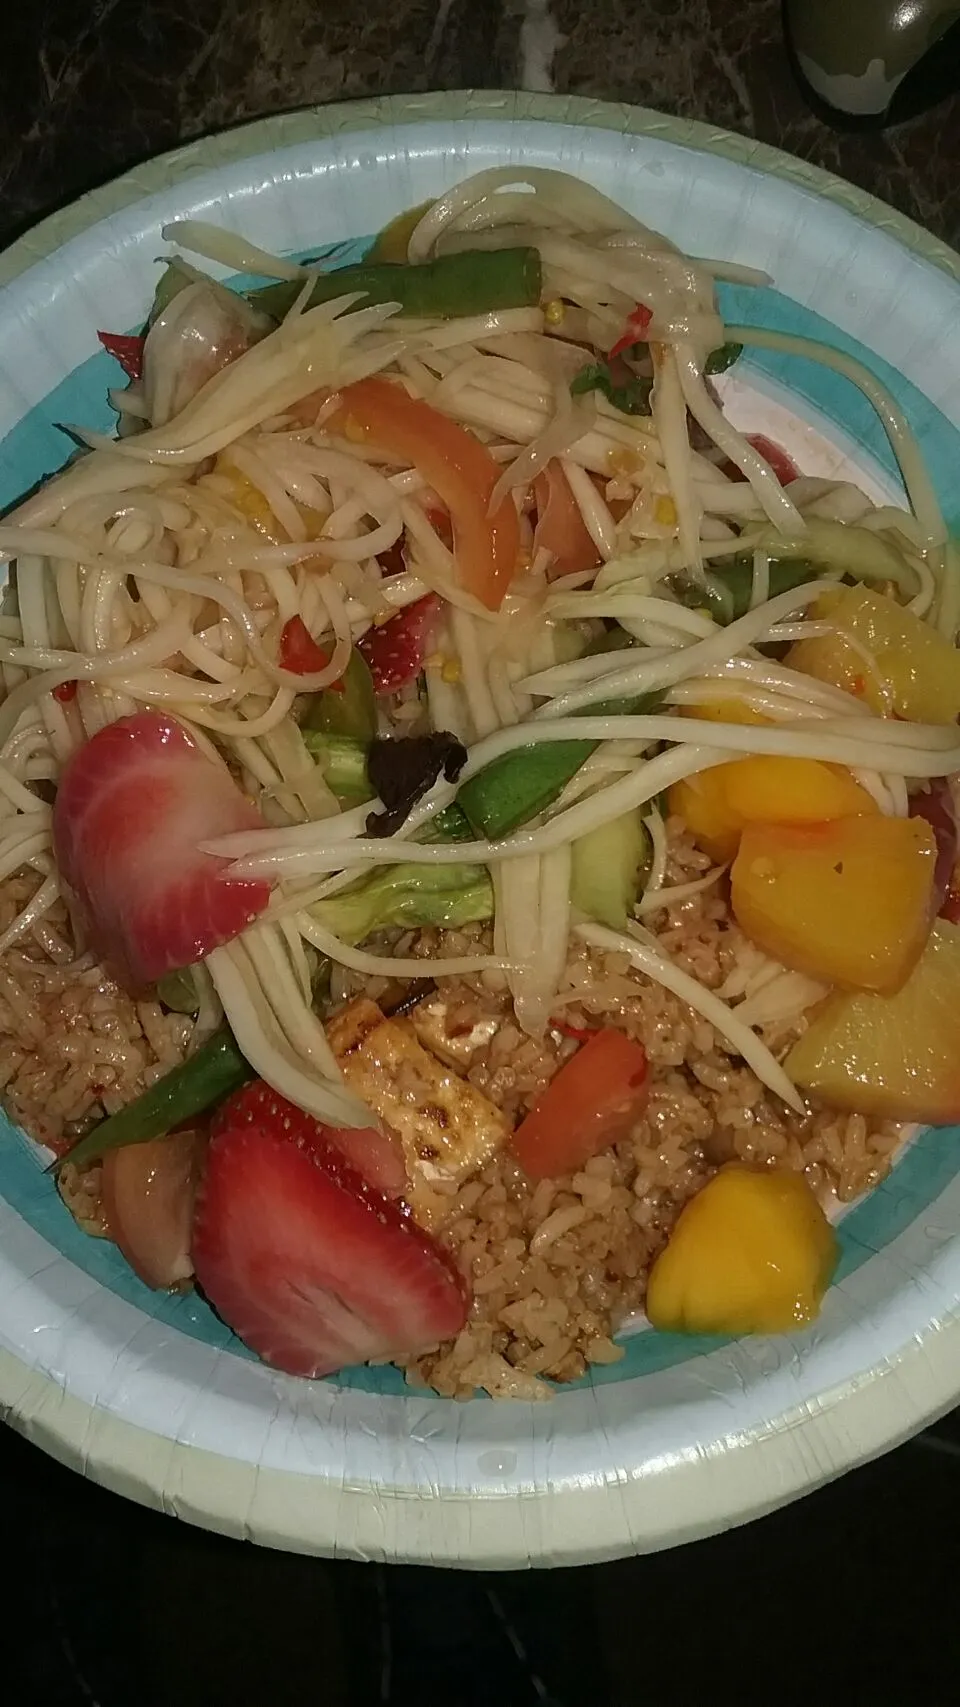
(348, 1028)
(449, 1034)
(448, 1129)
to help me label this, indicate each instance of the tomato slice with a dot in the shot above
(300, 654)
(148, 1195)
(783, 466)
(592, 1101)
(561, 529)
(456, 465)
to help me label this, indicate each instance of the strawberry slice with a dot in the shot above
(376, 1157)
(132, 808)
(127, 349)
(396, 650)
(310, 1267)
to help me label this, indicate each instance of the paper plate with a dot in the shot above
(152, 1395)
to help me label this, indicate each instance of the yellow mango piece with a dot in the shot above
(917, 670)
(724, 711)
(769, 789)
(892, 1057)
(701, 802)
(752, 1253)
(850, 902)
(716, 804)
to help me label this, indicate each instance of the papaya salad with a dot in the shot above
(477, 826)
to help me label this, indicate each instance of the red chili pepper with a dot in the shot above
(65, 692)
(579, 1033)
(300, 653)
(637, 323)
(127, 349)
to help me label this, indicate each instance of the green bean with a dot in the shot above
(198, 1083)
(475, 281)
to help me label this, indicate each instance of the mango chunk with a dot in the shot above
(752, 1253)
(767, 789)
(915, 671)
(848, 902)
(715, 805)
(722, 710)
(701, 802)
(892, 1057)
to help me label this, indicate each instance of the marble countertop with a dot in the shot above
(94, 86)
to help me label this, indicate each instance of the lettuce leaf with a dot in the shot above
(408, 895)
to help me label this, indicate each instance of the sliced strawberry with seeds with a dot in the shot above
(310, 1267)
(132, 808)
(395, 651)
(376, 1157)
(127, 349)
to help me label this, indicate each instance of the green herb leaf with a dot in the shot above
(719, 360)
(631, 397)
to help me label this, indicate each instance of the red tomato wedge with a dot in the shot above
(592, 1101)
(561, 529)
(396, 650)
(300, 654)
(127, 349)
(310, 1267)
(783, 466)
(132, 808)
(148, 1196)
(459, 469)
(377, 1157)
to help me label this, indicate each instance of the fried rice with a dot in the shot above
(559, 1267)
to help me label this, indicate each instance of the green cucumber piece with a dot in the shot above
(608, 869)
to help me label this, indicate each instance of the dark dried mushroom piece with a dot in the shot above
(402, 768)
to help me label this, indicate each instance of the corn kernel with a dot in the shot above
(665, 512)
(625, 462)
(249, 500)
(450, 672)
(435, 661)
(554, 312)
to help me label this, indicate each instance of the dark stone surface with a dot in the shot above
(92, 86)
(848, 1597)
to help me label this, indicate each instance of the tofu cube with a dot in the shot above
(448, 1130)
